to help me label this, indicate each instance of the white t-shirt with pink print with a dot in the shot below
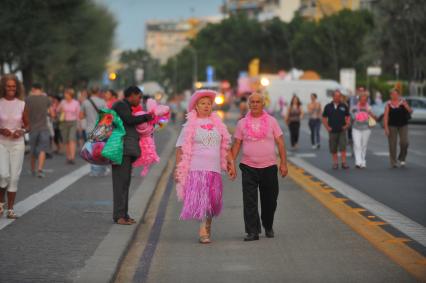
(206, 147)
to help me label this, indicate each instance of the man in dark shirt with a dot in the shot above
(121, 174)
(336, 120)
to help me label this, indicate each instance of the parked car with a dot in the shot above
(417, 103)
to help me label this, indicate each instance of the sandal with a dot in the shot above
(131, 220)
(345, 166)
(205, 239)
(123, 221)
(1, 208)
(11, 214)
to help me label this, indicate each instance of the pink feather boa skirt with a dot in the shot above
(149, 154)
(203, 195)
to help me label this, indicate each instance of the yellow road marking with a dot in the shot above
(394, 247)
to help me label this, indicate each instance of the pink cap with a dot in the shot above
(199, 94)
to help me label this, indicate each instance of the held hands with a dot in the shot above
(283, 169)
(232, 172)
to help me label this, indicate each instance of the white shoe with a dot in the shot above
(402, 163)
(314, 147)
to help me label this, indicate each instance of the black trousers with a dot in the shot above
(294, 128)
(266, 180)
(121, 176)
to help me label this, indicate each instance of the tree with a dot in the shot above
(333, 43)
(400, 34)
(138, 59)
(59, 42)
(326, 46)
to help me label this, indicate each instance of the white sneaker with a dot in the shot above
(402, 163)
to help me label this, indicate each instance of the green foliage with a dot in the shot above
(138, 59)
(326, 46)
(401, 37)
(57, 42)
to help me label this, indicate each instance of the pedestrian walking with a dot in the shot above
(69, 110)
(361, 128)
(293, 118)
(336, 120)
(121, 174)
(243, 107)
(81, 122)
(13, 126)
(110, 97)
(201, 155)
(38, 105)
(89, 111)
(57, 137)
(257, 134)
(396, 116)
(314, 112)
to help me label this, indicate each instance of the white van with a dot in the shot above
(303, 89)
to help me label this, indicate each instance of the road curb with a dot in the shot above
(103, 265)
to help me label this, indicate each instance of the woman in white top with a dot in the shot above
(13, 126)
(361, 113)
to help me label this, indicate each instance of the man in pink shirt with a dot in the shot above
(258, 133)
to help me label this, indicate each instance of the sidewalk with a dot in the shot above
(61, 238)
(311, 245)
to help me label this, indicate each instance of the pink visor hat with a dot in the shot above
(200, 94)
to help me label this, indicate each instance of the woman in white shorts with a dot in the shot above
(13, 126)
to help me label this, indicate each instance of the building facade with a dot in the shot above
(164, 39)
(262, 9)
(317, 9)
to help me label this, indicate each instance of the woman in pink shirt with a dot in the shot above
(258, 133)
(13, 125)
(202, 153)
(69, 110)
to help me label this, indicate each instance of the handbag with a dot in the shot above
(371, 122)
(62, 116)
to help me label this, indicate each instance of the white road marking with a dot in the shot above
(47, 193)
(305, 155)
(409, 227)
(381, 153)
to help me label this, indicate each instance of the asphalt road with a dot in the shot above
(52, 242)
(402, 189)
(311, 244)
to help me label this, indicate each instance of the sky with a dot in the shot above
(132, 14)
